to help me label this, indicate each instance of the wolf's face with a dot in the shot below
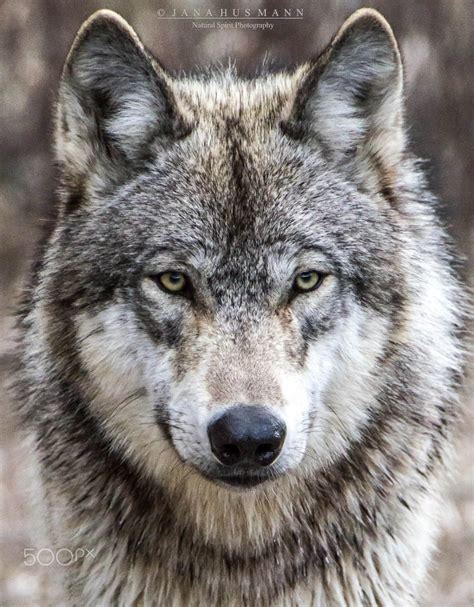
(224, 251)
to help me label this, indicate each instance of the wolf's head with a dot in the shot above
(227, 250)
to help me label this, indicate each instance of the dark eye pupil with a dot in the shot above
(306, 276)
(175, 277)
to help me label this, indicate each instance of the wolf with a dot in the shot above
(240, 349)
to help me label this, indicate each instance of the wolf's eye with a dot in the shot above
(308, 281)
(173, 282)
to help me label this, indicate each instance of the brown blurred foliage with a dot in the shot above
(436, 43)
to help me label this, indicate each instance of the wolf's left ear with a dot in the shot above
(351, 98)
(115, 102)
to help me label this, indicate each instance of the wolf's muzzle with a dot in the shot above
(246, 436)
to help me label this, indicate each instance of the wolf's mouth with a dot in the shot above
(242, 481)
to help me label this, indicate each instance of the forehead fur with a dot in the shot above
(220, 95)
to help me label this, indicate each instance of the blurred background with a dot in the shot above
(436, 42)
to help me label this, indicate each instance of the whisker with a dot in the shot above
(128, 400)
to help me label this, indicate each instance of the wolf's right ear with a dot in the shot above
(115, 102)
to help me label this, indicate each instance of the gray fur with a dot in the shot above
(241, 184)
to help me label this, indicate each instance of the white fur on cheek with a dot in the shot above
(127, 369)
(343, 385)
(295, 413)
(190, 412)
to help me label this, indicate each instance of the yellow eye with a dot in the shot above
(173, 282)
(308, 281)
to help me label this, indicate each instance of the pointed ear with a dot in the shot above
(115, 102)
(351, 98)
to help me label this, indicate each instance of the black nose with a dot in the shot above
(246, 435)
